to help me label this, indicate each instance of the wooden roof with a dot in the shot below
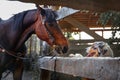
(88, 19)
(81, 20)
(93, 5)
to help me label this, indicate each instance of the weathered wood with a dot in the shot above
(94, 5)
(95, 68)
(91, 41)
(45, 74)
(82, 27)
(82, 44)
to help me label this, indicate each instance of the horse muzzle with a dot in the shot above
(61, 49)
(64, 49)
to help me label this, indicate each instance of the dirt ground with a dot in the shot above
(27, 75)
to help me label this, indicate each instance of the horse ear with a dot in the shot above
(42, 11)
(56, 14)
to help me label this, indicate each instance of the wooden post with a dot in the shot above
(45, 74)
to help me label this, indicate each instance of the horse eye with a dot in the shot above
(94, 48)
(50, 24)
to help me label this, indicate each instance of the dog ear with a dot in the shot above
(104, 51)
(101, 45)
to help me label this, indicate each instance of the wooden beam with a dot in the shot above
(76, 23)
(94, 5)
(91, 41)
(96, 68)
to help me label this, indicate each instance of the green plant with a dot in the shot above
(113, 18)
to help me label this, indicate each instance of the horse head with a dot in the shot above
(52, 30)
(99, 49)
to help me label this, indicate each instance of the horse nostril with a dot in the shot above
(65, 49)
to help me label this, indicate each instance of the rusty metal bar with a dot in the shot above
(96, 68)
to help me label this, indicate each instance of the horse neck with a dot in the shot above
(29, 22)
(17, 34)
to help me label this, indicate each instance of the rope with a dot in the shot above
(54, 74)
(7, 73)
(48, 55)
(11, 53)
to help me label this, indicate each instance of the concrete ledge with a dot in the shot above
(97, 68)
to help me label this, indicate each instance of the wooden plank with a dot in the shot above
(94, 5)
(97, 68)
(93, 40)
(82, 27)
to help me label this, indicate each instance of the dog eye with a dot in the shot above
(94, 48)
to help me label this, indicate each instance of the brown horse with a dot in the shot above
(15, 31)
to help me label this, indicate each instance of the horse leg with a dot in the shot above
(17, 74)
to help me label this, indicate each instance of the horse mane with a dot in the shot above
(50, 14)
(0, 19)
(18, 19)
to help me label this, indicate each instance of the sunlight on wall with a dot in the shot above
(76, 36)
(84, 35)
